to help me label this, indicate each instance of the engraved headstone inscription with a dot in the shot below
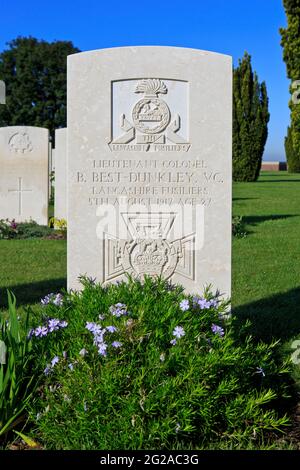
(149, 166)
(24, 174)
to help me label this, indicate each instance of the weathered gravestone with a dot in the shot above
(24, 174)
(149, 166)
(60, 155)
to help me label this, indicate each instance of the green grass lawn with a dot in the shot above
(266, 264)
(31, 269)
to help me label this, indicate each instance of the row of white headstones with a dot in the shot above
(143, 173)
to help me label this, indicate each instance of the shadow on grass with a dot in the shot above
(257, 219)
(278, 181)
(244, 198)
(32, 292)
(276, 317)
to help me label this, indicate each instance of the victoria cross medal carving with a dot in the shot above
(149, 249)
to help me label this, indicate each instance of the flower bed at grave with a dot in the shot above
(10, 229)
(134, 365)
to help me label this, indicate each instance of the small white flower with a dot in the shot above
(83, 352)
(162, 357)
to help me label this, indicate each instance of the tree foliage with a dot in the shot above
(35, 76)
(250, 121)
(290, 41)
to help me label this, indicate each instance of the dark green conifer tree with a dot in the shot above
(250, 121)
(290, 41)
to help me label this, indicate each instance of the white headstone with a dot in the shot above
(50, 169)
(2, 92)
(149, 166)
(60, 182)
(24, 174)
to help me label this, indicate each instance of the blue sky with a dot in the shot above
(225, 26)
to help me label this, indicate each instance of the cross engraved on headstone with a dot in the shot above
(20, 192)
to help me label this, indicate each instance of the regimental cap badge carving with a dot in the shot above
(152, 124)
(151, 114)
(20, 143)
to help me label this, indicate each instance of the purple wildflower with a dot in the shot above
(184, 305)
(55, 299)
(94, 328)
(173, 342)
(178, 332)
(63, 324)
(71, 366)
(54, 361)
(217, 330)
(46, 300)
(47, 370)
(116, 344)
(40, 331)
(102, 349)
(118, 310)
(30, 333)
(214, 303)
(58, 300)
(204, 304)
(13, 224)
(90, 326)
(111, 329)
(53, 324)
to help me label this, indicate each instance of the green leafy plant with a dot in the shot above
(16, 378)
(8, 229)
(238, 227)
(32, 230)
(140, 365)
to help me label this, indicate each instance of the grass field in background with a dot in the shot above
(32, 268)
(266, 264)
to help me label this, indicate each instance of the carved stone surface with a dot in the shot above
(24, 174)
(149, 166)
(60, 182)
(20, 143)
(144, 122)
